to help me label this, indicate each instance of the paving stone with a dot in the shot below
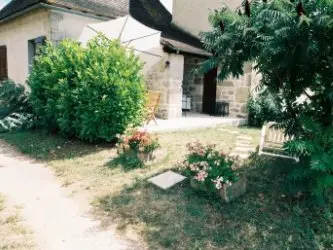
(167, 180)
(244, 137)
(244, 149)
(242, 156)
(244, 144)
(233, 132)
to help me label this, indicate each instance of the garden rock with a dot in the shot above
(167, 180)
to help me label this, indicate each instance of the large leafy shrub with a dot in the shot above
(290, 44)
(263, 107)
(15, 110)
(91, 92)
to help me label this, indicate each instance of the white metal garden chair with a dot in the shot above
(272, 140)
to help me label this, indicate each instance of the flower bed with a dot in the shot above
(139, 144)
(212, 171)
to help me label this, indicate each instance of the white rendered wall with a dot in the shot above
(15, 34)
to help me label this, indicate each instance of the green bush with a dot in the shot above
(92, 92)
(263, 107)
(15, 110)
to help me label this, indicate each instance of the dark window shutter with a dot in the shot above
(3, 63)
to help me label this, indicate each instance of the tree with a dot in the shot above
(290, 43)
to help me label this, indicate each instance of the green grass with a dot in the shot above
(43, 146)
(181, 218)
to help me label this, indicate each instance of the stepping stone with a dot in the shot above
(244, 137)
(244, 144)
(167, 180)
(229, 131)
(244, 149)
(242, 156)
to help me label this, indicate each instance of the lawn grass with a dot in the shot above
(13, 233)
(180, 218)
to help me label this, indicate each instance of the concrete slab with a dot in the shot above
(167, 180)
(193, 121)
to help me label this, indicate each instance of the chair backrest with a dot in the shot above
(275, 135)
(153, 99)
(273, 138)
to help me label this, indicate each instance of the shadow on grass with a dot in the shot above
(44, 146)
(181, 218)
(127, 162)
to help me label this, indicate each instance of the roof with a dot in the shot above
(105, 8)
(171, 45)
(153, 14)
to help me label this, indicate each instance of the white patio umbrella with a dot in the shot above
(130, 32)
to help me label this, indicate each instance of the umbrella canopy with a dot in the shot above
(130, 32)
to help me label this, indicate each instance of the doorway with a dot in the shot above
(209, 92)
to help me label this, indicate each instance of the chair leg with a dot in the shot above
(148, 120)
(154, 118)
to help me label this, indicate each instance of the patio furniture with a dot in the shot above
(272, 140)
(186, 104)
(152, 105)
(222, 109)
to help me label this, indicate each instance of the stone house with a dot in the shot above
(173, 54)
(24, 24)
(174, 74)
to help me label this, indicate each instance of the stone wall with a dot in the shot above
(236, 92)
(166, 76)
(193, 84)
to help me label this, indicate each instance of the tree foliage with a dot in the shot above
(91, 92)
(263, 107)
(290, 43)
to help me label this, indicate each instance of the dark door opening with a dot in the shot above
(3, 63)
(209, 93)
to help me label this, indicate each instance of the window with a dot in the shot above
(3, 63)
(33, 48)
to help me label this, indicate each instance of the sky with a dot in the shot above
(168, 4)
(3, 3)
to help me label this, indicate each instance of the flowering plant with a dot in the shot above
(209, 167)
(138, 141)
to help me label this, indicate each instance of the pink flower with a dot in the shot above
(202, 175)
(201, 152)
(194, 167)
(204, 165)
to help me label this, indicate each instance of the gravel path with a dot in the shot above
(58, 222)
